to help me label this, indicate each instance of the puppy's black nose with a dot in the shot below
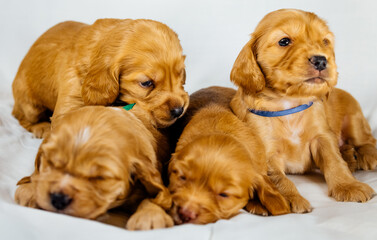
(318, 62)
(60, 200)
(176, 112)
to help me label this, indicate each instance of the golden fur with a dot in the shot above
(74, 64)
(274, 77)
(96, 158)
(219, 165)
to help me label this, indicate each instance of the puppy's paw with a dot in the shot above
(149, 216)
(299, 204)
(40, 130)
(25, 195)
(349, 155)
(255, 207)
(366, 157)
(352, 192)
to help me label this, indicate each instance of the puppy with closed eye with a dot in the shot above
(286, 76)
(95, 159)
(219, 165)
(113, 60)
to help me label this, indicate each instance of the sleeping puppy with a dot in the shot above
(74, 64)
(286, 76)
(219, 165)
(97, 158)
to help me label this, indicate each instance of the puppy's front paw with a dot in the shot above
(352, 192)
(25, 195)
(299, 204)
(149, 216)
(40, 130)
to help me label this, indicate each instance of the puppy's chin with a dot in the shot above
(85, 200)
(312, 88)
(163, 122)
(163, 118)
(159, 113)
(315, 87)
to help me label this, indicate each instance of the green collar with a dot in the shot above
(129, 106)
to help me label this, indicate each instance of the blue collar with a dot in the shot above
(283, 112)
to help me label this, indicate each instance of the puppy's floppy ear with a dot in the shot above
(269, 196)
(246, 72)
(150, 177)
(100, 85)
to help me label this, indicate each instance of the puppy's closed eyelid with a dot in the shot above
(223, 195)
(97, 178)
(183, 178)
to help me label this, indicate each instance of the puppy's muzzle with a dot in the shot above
(186, 214)
(318, 62)
(59, 200)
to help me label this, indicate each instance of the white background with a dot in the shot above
(212, 33)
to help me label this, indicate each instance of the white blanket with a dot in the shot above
(212, 33)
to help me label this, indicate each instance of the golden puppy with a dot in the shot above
(74, 64)
(219, 165)
(286, 76)
(96, 158)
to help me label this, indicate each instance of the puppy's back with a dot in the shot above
(38, 72)
(219, 96)
(210, 114)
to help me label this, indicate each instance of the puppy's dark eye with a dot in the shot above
(147, 84)
(223, 195)
(326, 41)
(284, 42)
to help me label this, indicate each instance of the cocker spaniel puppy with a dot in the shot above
(219, 165)
(74, 64)
(97, 158)
(286, 76)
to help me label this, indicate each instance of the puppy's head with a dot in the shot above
(212, 178)
(291, 53)
(139, 61)
(89, 163)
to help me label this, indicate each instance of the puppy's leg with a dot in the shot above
(149, 216)
(349, 155)
(342, 185)
(288, 189)
(366, 157)
(254, 206)
(67, 101)
(32, 117)
(264, 192)
(357, 132)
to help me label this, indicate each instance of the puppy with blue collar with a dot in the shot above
(286, 76)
